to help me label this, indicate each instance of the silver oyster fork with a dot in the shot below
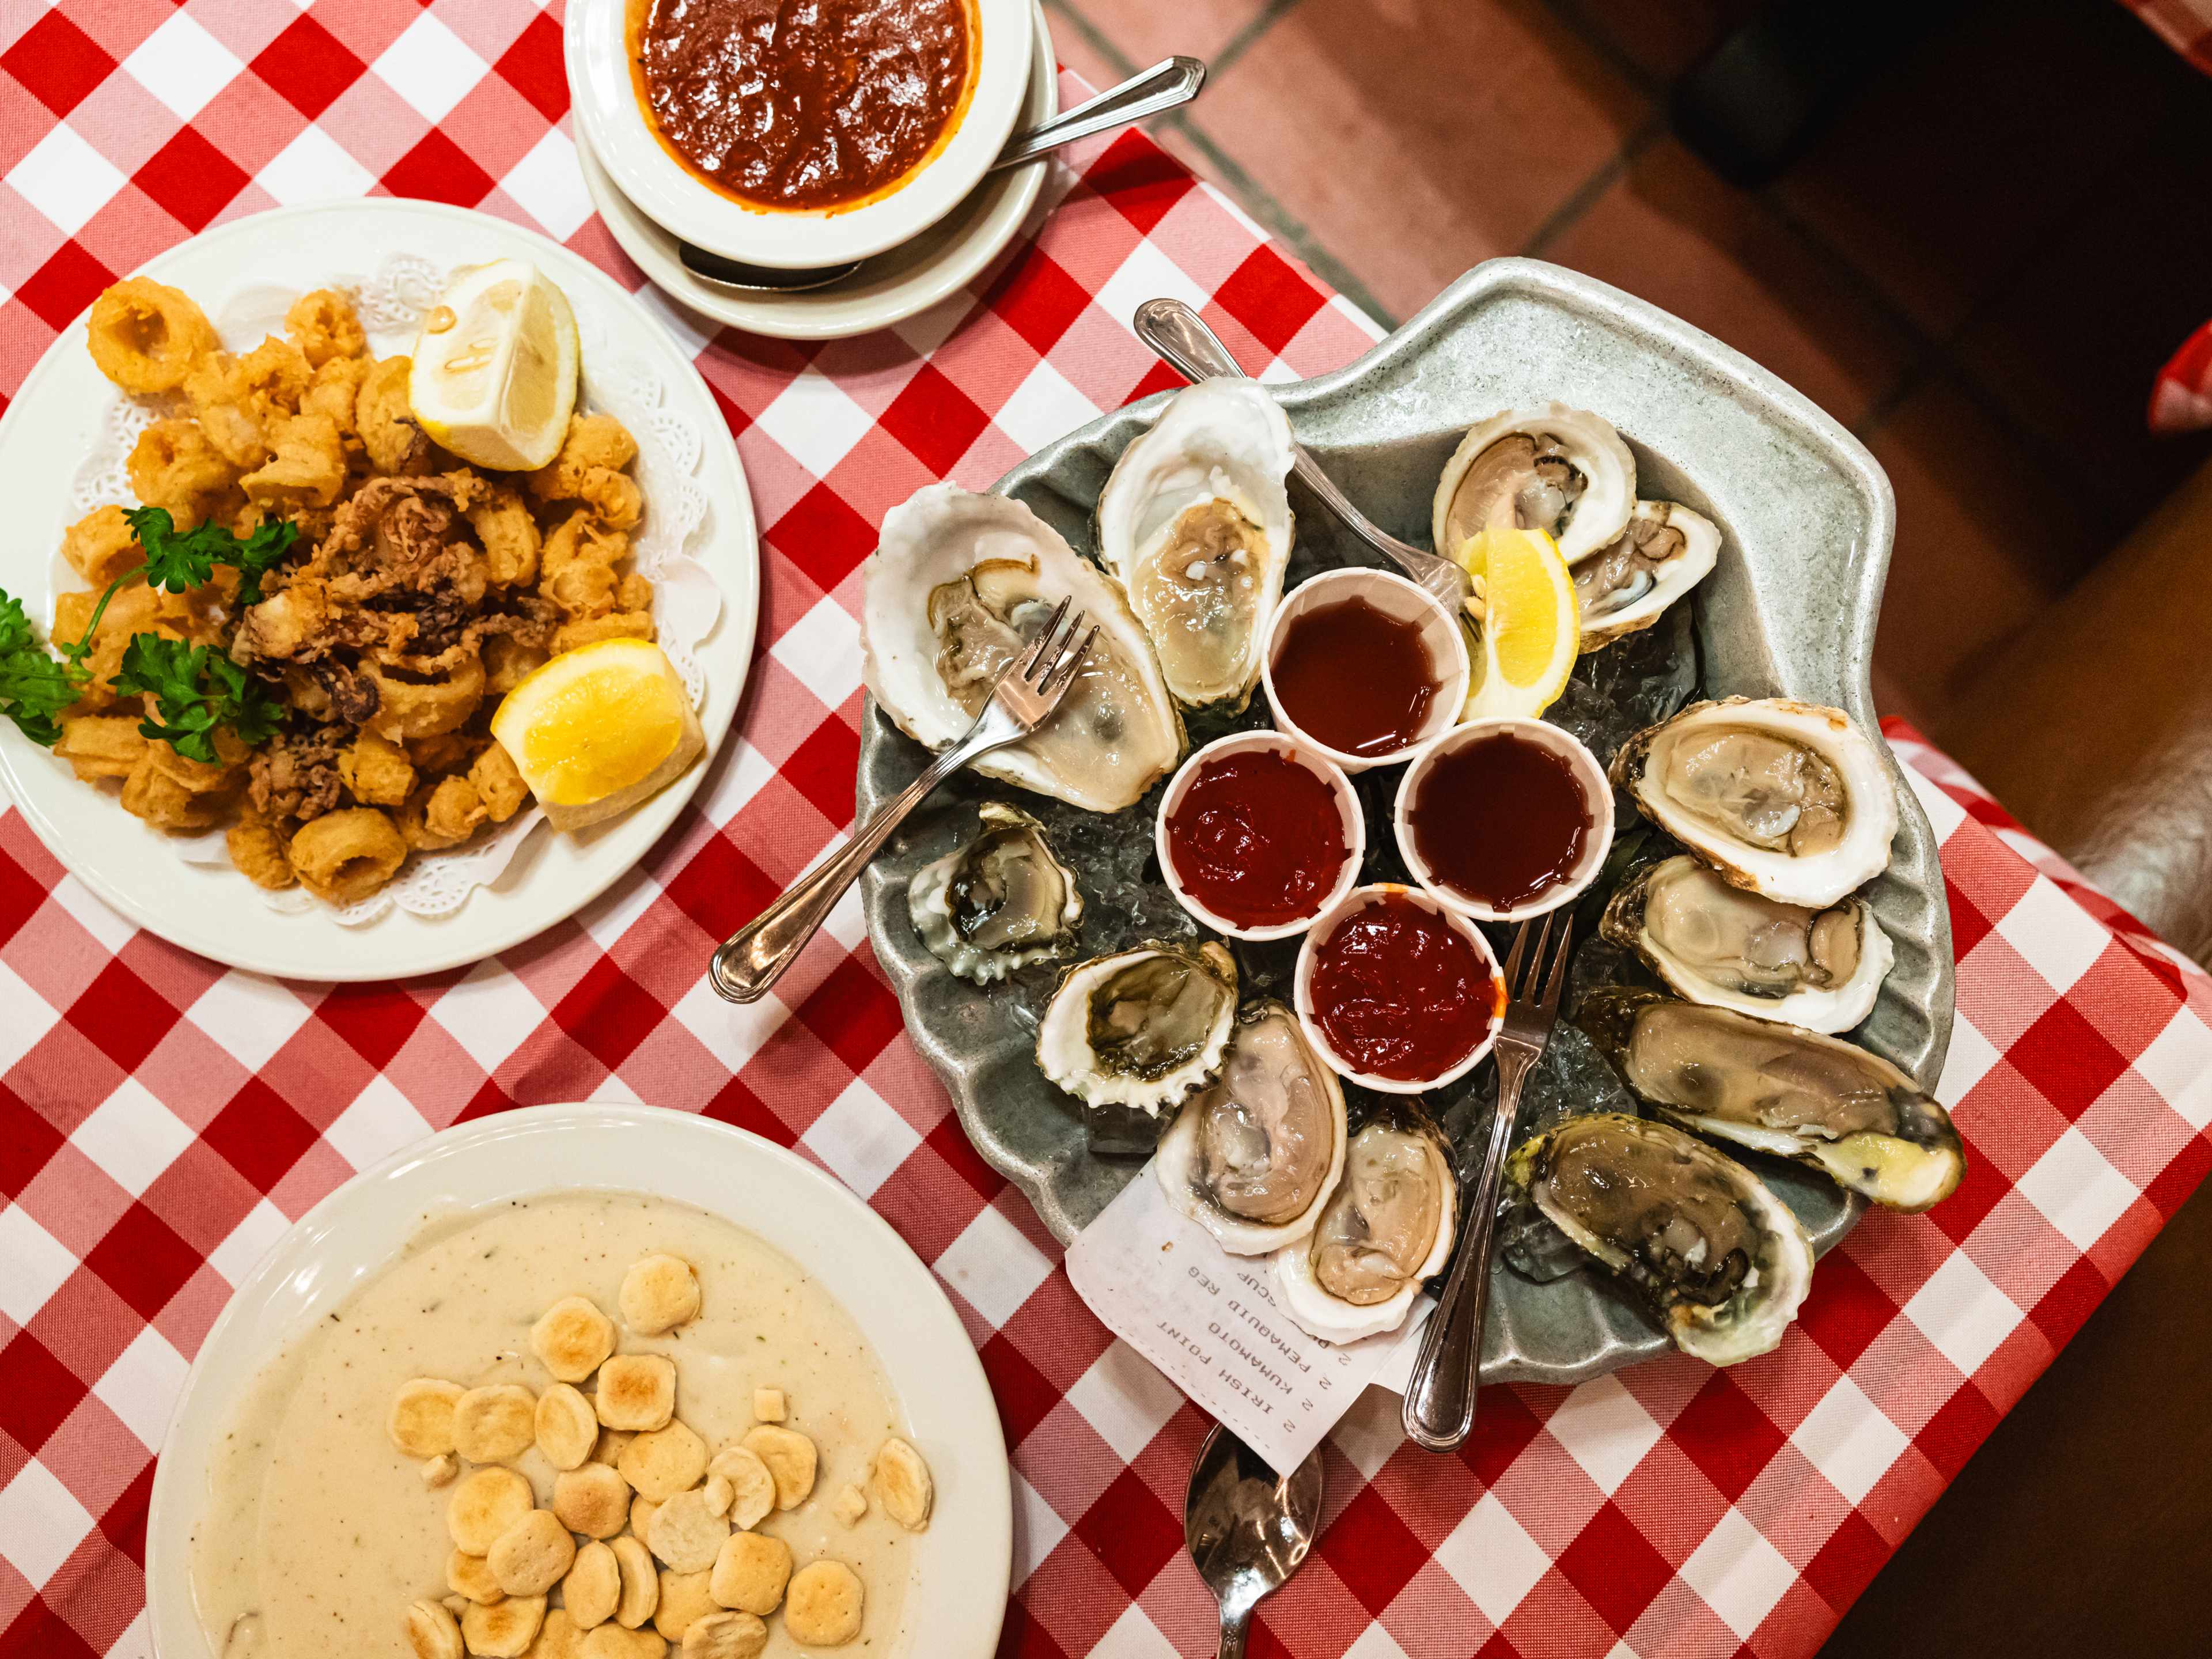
(1440, 1395)
(754, 957)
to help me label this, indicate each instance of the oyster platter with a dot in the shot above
(1231, 920)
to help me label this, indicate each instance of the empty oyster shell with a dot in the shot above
(957, 589)
(1387, 1228)
(1785, 798)
(1715, 944)
(1556, 468)
(1252, 1155)
(1717, 1259)
(1141, 1028)
(1784, 1090)
(999, 901)
(1196, 525)
(1664, 551)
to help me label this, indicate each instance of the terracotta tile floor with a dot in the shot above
(1978, 269)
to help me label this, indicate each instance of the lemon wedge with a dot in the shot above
(1528, 627)
(494, 370)
(598, 729)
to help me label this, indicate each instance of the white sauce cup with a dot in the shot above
(1302, 987)
(1394, 596)
(1588, 775)
(1274, 743)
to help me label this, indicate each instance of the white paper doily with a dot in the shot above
(686, 601)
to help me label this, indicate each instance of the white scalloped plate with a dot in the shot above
(55, 422)
(962, 1564)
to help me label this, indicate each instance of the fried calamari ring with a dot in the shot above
(99, 546)
(415, 708)
(322, 324)
(509, 661)
(499, 784)
(174, 466)
(145, 336)
(343, 857)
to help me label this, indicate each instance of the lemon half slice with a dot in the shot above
(494, 371)
(598, 729)
(1530, 625)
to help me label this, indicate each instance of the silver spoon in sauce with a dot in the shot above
(1247, 1528)
(1168, 83)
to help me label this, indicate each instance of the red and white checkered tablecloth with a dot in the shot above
(162, 1120)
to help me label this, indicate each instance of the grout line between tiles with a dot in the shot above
(1570, 15)
(1093, 37)
(1241, 42)
(1585, 195)
(1229, 173)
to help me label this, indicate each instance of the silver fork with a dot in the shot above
(754, 957)
(1440, 1395)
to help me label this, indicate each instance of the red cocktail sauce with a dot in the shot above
(1355, 677)
(1500, 819)
(1257, 839)
(1400, 994)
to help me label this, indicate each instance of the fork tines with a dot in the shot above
(1538, 985)
(1054, 659)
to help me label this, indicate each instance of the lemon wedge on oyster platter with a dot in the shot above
(494, 369)
(598, 729)
(1527, 623)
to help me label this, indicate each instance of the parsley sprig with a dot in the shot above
(197, 689)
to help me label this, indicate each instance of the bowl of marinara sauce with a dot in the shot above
(1396, 991)
(795, 136)
(1363, 667)
(1505, 818)
(1258, 835)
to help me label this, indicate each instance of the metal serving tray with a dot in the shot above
(1806, 516)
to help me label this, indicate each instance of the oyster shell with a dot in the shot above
(1252, 1155)
(1140, 1028)
(1387, 1228)
(1785, 798)
(1783, 1090)
(1557, 469)
(1196, 525)
(1717, 1259)
(999, 901)
(1626, 585)
(1715, 944)
(959, 586)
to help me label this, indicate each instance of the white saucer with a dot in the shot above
(962, 1564)
(889, 288)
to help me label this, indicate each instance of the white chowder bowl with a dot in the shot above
(603, 92)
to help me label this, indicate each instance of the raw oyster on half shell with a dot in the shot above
(1780, 1089)
(1664, 551)
(1557, 469)
(1716, 1258)
(1387, 1228)
(1785, 798)
(1254, 1154)
(959, 587)
(999, 901)
(1196, 525)
(1141, 1028)
(1718, 944)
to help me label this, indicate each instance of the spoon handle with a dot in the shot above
(1233, 1626)
(1168, 83)
(1440, 1411)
